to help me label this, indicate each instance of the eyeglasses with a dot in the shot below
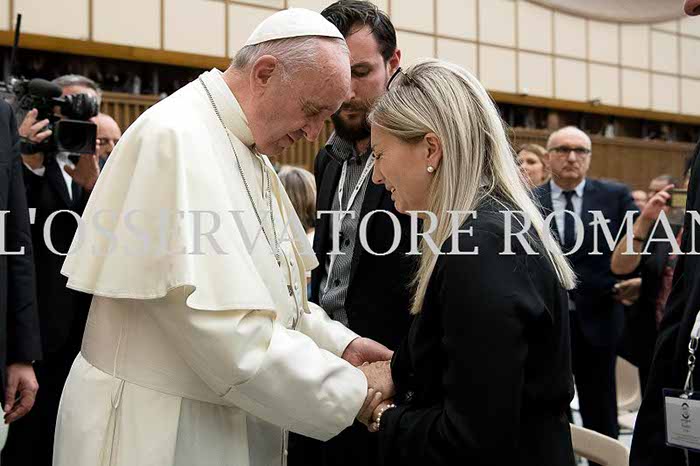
(566, 150)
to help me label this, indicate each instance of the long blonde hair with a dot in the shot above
(438, 97)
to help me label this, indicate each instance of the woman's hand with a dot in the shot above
(378, 411)
(379, 377)
(373, 400)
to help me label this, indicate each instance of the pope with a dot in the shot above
(201, 347)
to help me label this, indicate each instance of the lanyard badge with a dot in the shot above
(341, 189)
(682, 407)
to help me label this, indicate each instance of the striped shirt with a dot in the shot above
(334, 287)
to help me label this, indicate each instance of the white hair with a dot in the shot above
(438, 97)
(294, 54)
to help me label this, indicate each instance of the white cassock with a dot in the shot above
(209, 357)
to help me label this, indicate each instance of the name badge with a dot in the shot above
(682, 415)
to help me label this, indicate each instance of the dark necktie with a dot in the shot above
(569, 225)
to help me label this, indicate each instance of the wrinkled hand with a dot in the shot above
(373, 400)
(362, 350)
(628, 291)
(20, 381)
(85, 172)
(656, 204)
(378, 376)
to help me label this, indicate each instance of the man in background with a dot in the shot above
(597, 319)
(108, 134)
(345, 285)
(53, 183)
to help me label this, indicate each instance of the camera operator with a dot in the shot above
(54, 183)
(19, 322)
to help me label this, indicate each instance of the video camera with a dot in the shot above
(71, 130)
(68, 116)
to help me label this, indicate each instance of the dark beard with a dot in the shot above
(350, 133)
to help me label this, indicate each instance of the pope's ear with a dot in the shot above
(262, 71)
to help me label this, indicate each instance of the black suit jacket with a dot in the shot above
(484, 377)
(377, 302)
(19, 322)
(62, 311)
(669, 366)
(601, 318)
(378, 296)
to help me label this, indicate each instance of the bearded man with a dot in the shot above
(345, 285)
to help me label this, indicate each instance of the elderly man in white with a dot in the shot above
(201, 348)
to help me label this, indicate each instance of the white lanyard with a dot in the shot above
(341, 189)
(692, 347)
(358, 186)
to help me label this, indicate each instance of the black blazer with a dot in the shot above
(378, 296)
(19, 322)
(62, 311)
(601, 317)
(669, 366)
(484, 376)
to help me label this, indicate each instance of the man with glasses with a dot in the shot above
(108, 134)
(596, 317)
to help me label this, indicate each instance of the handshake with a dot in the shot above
(373, 359)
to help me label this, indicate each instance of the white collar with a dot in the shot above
(229, 108)
(557, 190)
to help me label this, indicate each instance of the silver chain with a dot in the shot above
(268, 193)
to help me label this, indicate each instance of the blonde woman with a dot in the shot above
(531, 160)
(484, 375)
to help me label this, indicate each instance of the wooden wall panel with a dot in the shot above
(631, 161)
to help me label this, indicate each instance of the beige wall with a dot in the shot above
(512, 45)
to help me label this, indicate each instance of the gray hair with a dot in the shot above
(294, 54)
(79, 80)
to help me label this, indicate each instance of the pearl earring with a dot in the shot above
(431, 169)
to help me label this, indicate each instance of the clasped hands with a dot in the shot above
(373, 359)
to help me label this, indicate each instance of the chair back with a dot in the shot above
(598, 447)
(629, 391)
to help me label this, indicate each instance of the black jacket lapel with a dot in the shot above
(327, 176)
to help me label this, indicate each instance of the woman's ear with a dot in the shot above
(434, 146)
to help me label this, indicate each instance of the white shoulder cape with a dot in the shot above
(176, 158)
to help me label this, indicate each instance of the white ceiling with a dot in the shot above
(633, 11)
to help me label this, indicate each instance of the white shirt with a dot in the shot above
(559, 203)
(62, 160)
